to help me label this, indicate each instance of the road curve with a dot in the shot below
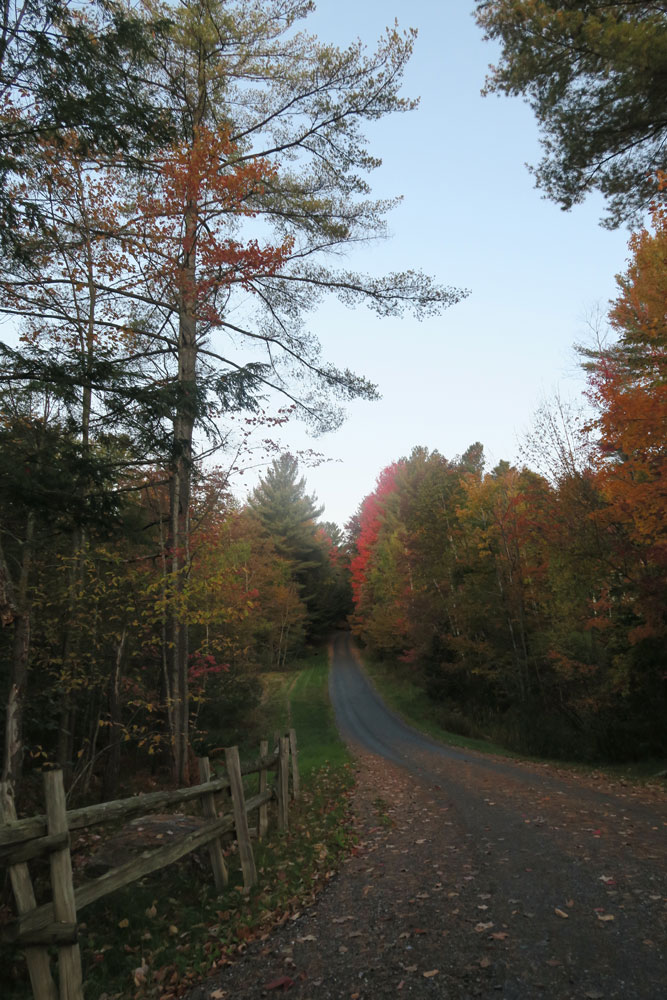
(572, 866)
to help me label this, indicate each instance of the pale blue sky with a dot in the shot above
(472, 218)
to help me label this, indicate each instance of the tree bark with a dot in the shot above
(12, 768)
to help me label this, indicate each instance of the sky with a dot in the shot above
(472, 218)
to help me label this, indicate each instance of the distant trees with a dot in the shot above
(528, 610)
(593, 73)
(288, 517)
(532, 605)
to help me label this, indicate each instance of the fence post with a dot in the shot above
(220, 873)
(37, 958)
(263, 815)
(283, 782)
(64, 907)
(294, 757)
(240, 817)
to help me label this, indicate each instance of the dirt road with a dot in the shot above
(475, 877)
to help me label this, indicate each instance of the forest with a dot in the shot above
(530, 601)
(178, 187)
(177, 193)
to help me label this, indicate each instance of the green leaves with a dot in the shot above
(594, 77)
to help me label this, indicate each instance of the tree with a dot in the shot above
(288, 516)
(628, 386)
(593, 73)
(68, 70)
(212, 257)
(284, 114)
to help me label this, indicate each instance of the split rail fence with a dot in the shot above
(38, 928)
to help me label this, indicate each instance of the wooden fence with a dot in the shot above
(55, 924)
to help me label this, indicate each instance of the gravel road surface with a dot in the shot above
(475, 877)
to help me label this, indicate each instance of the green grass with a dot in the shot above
(173, 926)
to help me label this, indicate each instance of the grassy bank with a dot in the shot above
(161, 935)
(411, 702)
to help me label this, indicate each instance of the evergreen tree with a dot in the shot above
(288, 516)
(594, 74)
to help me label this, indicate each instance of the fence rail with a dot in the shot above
(55, 923)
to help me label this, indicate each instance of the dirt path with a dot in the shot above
(474, 877)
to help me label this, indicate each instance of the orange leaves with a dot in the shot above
(629, 387)
(183, 222)
(208, 171)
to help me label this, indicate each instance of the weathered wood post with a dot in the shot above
(37, 958)
(294, 758)
(220, 873)
(64, 907)
(263, 813)
(241, 817)
(283, 782)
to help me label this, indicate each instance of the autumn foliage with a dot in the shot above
(534, 608)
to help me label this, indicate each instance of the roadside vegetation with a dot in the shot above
(528, 601)
(408, 699)
(163, 934)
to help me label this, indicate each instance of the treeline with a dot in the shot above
(264, 579)
(532, 606)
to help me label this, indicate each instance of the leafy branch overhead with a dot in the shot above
(594, 75)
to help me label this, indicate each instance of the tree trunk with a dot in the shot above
(112, 766)
(12, 767)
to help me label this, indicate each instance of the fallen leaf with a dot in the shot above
(124, 923)
(433, 972)
(562, 913)
(605, 916)
(341, 920)
(218, 994)
(500, 935)
(594, 995)
(308, 937)
(173, 930)
(484, 927)
(283, 983)
(410, 968)
(485, 962)
(139, 975)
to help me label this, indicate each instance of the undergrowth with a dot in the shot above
(413, 704)
(160, 936)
